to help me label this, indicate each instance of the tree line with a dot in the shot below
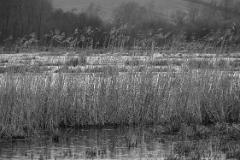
(36, 22)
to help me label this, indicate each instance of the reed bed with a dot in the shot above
(30, 103)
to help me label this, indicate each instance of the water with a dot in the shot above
(121, 143)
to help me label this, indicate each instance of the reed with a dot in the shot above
(30, 103)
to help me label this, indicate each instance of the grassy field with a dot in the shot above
(50, 91)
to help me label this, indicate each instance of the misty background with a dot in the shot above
(107, 6)
(119, 23)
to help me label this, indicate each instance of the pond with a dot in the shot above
(118, 143)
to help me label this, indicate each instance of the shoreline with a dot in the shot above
(184, 132)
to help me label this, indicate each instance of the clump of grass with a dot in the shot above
(4, 61)
(200, 64)
(235, 63)
(16, 69)
(76, 61)
(2, 69)
(163, 69)
(30, 103)
(222, 64)
(63, 69)
(177, 62)
(159, 62)
(110, 70)
(139, 69)
(133, 62)
(107, 70)
(22, 69)
(93, 70)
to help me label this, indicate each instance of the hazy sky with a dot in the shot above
(107, 6)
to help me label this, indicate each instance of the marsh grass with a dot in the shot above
(30, 103)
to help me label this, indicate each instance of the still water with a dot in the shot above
(121, 143)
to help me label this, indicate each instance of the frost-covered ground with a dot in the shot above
(77, 62)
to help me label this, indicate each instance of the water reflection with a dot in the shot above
(121, 143)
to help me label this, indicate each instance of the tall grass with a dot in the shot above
(30, 103)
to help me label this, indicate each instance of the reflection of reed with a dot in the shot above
(55, 136)
(196, 150)
(124, 144)
(132, 139)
